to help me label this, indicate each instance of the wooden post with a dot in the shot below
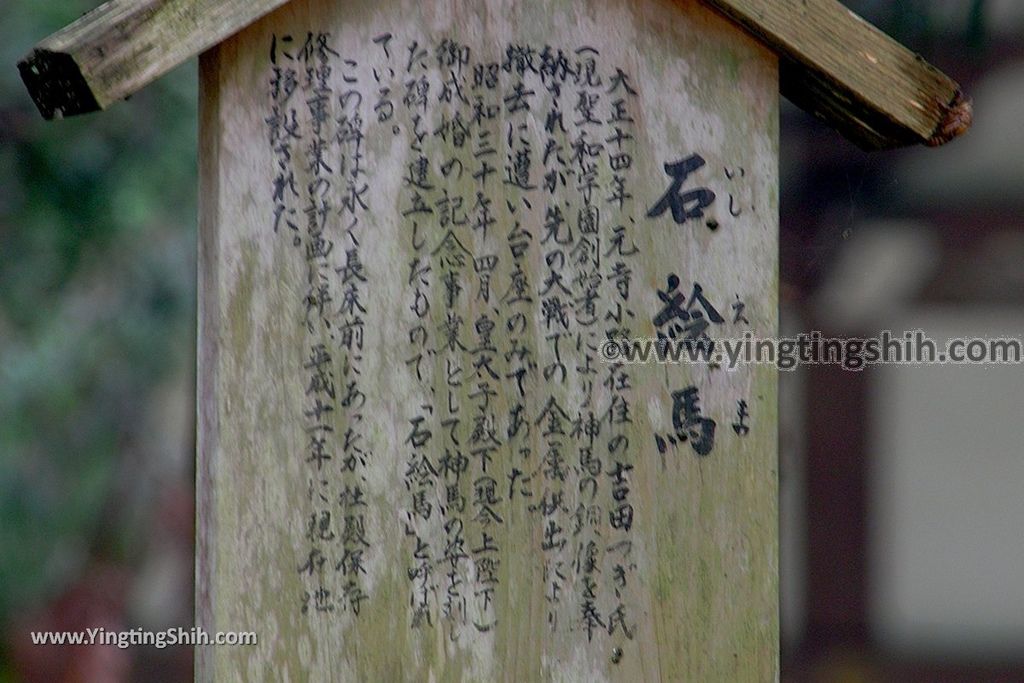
(420, 225)
(390, 489)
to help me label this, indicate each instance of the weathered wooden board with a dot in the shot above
(123, 45)
(414, 462)
(833, 63)
(845, 71)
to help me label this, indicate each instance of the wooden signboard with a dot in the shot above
(445, 250)
(421, 223)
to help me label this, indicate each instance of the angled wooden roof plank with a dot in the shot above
(845, 71)
(123, 45)
(832, 63)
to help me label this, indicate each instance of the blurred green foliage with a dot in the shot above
(97, 235)
(97, 277)
(926, 25)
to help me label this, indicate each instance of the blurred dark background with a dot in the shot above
(902, 519)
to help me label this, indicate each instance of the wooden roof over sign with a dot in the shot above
(833, 64)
